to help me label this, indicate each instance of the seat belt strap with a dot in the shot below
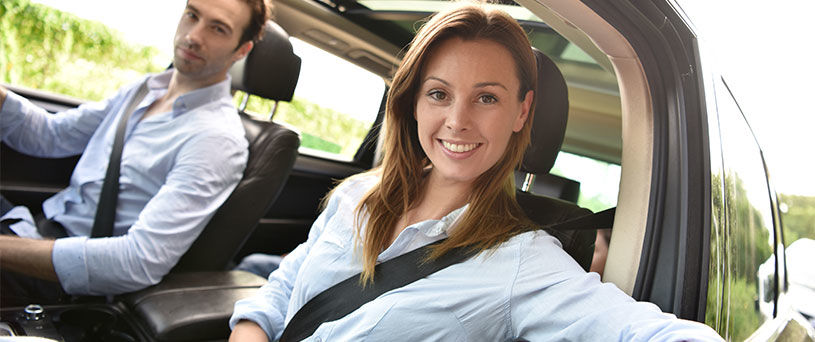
(348, 295)
(599, 220)
(108, 198)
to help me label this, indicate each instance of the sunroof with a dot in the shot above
(398, 20)
(407, 14)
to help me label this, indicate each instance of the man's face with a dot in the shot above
(206, 41)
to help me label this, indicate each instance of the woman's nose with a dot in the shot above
(458, 118)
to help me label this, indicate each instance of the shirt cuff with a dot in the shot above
(69, 263)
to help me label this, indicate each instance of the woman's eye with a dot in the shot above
(487, 99)
(437, 95)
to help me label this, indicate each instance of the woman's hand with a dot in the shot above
(247, 331)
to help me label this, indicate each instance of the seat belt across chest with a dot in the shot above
(348, 295)
(106, 208)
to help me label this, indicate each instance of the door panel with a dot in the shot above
(26, 180)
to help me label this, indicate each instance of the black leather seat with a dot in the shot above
(195, 301)
(548, 130)
(270, 71)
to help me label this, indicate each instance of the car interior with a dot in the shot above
(609, 115)
(604, 96)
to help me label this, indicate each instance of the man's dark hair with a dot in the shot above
(260, 12)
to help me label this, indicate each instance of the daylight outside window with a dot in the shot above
(334, 105)
(73, 56)
(599, 181)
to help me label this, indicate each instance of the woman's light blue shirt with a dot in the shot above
(528, 287)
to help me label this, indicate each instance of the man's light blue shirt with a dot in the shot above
(528, 287)
(177, 168)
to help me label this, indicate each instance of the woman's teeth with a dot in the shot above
(458, 147)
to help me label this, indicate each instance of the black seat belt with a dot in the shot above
(348, 295)
(108, 198)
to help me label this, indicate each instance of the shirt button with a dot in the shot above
(318, 339)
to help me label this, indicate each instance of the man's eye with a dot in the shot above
(191, 15)
(220, 30)
(487, 99)
(437, 95)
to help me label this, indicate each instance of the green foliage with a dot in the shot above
(799, 220)
(739, 244)
(51, 50)
(744, 318)
(320, 128)
(310, 141)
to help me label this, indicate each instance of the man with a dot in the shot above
(184, 153)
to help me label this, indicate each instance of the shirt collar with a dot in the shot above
(437, 227)
(195, 98)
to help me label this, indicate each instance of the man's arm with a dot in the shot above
(30, 257)
(207, 168)
(32, 130)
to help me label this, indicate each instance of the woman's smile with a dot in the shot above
(458, 147)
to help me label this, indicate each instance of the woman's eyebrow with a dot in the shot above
(490, 84)
(436, 79)
(477, 85)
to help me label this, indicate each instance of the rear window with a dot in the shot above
(599, 180)
(334, 105)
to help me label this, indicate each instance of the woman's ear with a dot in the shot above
(525, 105)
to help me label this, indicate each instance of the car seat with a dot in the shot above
(548, 130)
(269, 71)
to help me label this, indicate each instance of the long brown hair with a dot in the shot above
(493, 215)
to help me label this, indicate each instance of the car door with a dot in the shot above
(747, 270)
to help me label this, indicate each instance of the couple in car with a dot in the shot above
(457, 124)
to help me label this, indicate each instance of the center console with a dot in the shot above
(183, 307)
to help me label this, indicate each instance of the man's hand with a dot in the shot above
(3, 92)
(31, 257)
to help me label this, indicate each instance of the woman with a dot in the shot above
(458, 121)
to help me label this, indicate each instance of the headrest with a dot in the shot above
(271, 69)
(551, 114)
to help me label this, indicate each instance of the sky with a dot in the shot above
(762, 48)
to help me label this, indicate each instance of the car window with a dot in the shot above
(599, 180)
(334, 105)
(47, 49)
(743, 245)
